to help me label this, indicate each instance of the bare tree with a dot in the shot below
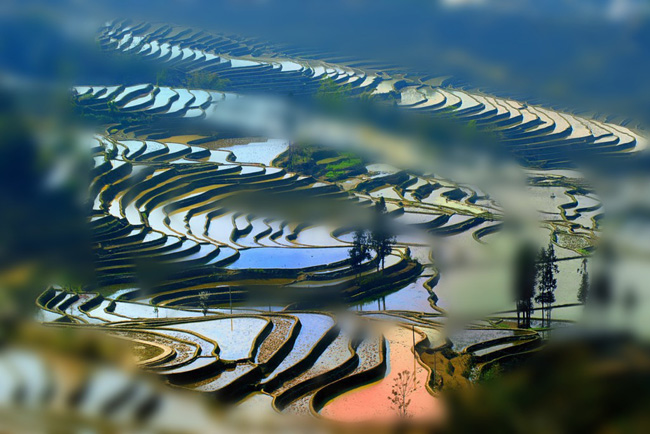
(403, 386)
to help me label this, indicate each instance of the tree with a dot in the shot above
(381, 240)
(403, 386)
(331, 94)
(380, 206)
(203, 301)
(72, 287)
(162, 77)
(583, 291)
(524, 285)
(547, 283)
(601, 293)
(205, 80)
(360, 249)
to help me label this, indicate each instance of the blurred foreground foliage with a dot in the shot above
(599, 384)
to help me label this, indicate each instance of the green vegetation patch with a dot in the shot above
(320, 163)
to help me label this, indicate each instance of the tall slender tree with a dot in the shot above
(601, 289)
(524, 285)
(547, 283)
(601, 293)
(583, 291)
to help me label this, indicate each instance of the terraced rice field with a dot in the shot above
(176, 204)
(534, 133)
(220, 267)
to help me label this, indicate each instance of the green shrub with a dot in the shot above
(344, 164)
(491, 373)
(205, 80)
(304, 159)
(335, 175)
(467, 369)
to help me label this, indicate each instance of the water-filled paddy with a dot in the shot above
(138, 310)
(259, 152)
(463, 338)
(414, 297)
(234, 336)
(336, 354)
(162, 98)
(139, 101)
(202, 97)
(128, 91)
(313, 327)
(290, 258)
(184, 98)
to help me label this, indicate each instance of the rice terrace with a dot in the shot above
(274, 233)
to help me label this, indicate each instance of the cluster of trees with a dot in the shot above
(305, 159)
(205, 80)
(112, 115)
(536, 273)
(379, 239)
(193, 80)
(598, 290)
(332, 94)
(524, 285)
(547, 283)
(344, 100)
(536, 281)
